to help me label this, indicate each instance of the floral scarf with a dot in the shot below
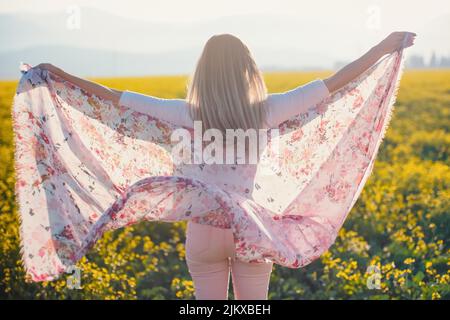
(85, 166)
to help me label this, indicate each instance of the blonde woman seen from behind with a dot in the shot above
(227, 91)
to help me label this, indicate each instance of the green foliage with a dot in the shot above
(399, 225)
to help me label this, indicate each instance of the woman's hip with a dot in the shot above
(205, 243)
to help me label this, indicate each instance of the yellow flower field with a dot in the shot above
(394, 244)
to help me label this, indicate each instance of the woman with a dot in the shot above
(227, 91)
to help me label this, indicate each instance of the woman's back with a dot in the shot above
(279, 107)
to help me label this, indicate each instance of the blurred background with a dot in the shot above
(394, 244)
(138, 37)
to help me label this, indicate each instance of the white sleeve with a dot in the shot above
(282, 106)
(175, 111)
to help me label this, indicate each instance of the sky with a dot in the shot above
(328, 30)
(404, 13)
(381, 16)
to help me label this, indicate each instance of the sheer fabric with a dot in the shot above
(84, 167)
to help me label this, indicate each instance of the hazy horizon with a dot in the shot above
(107, 38)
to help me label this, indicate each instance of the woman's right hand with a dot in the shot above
(396, 41)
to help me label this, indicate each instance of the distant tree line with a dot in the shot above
(417, 61)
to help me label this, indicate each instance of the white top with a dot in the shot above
(280, 106)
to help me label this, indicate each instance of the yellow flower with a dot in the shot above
(444, 279)
(435, 296)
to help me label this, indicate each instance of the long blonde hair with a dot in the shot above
(227, 89)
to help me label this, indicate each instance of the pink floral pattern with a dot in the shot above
(84, 166)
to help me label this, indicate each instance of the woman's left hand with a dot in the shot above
(396, 41)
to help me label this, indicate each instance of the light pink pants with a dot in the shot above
(210, 258)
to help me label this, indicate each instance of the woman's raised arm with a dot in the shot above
(175, 111)
(395, 41)
(103, 92)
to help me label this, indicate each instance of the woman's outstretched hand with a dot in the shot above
(88, 86)
(396, 41)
